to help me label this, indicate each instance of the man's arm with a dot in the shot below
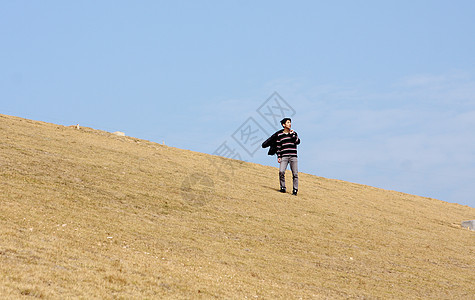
(278, 146)
(296, 137)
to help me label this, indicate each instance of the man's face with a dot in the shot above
(287, 124)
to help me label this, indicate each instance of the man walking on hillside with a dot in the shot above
(284, 142)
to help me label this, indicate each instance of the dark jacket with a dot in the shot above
(272, 143)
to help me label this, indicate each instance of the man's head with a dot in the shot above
(286, 122)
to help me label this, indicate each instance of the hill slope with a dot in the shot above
(85, 213)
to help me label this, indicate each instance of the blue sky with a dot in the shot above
(383, 91)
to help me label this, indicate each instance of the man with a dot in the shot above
(284, 142)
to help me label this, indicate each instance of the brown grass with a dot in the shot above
(87, 214)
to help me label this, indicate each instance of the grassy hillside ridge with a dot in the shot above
(88, 214)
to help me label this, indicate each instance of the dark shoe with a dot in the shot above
(294, 192)
(283, 190)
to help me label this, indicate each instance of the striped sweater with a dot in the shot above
(287, 144)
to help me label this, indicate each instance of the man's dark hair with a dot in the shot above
(282, 122)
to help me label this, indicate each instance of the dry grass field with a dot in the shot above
(91, 215)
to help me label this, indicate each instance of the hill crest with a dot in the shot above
(93, 214)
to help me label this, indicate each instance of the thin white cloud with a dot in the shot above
(415, 136)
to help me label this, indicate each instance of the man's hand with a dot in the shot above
(279, 160)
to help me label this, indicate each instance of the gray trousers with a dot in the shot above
(294, 166)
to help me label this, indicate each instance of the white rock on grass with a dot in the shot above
(469, 224)
(118, 133)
